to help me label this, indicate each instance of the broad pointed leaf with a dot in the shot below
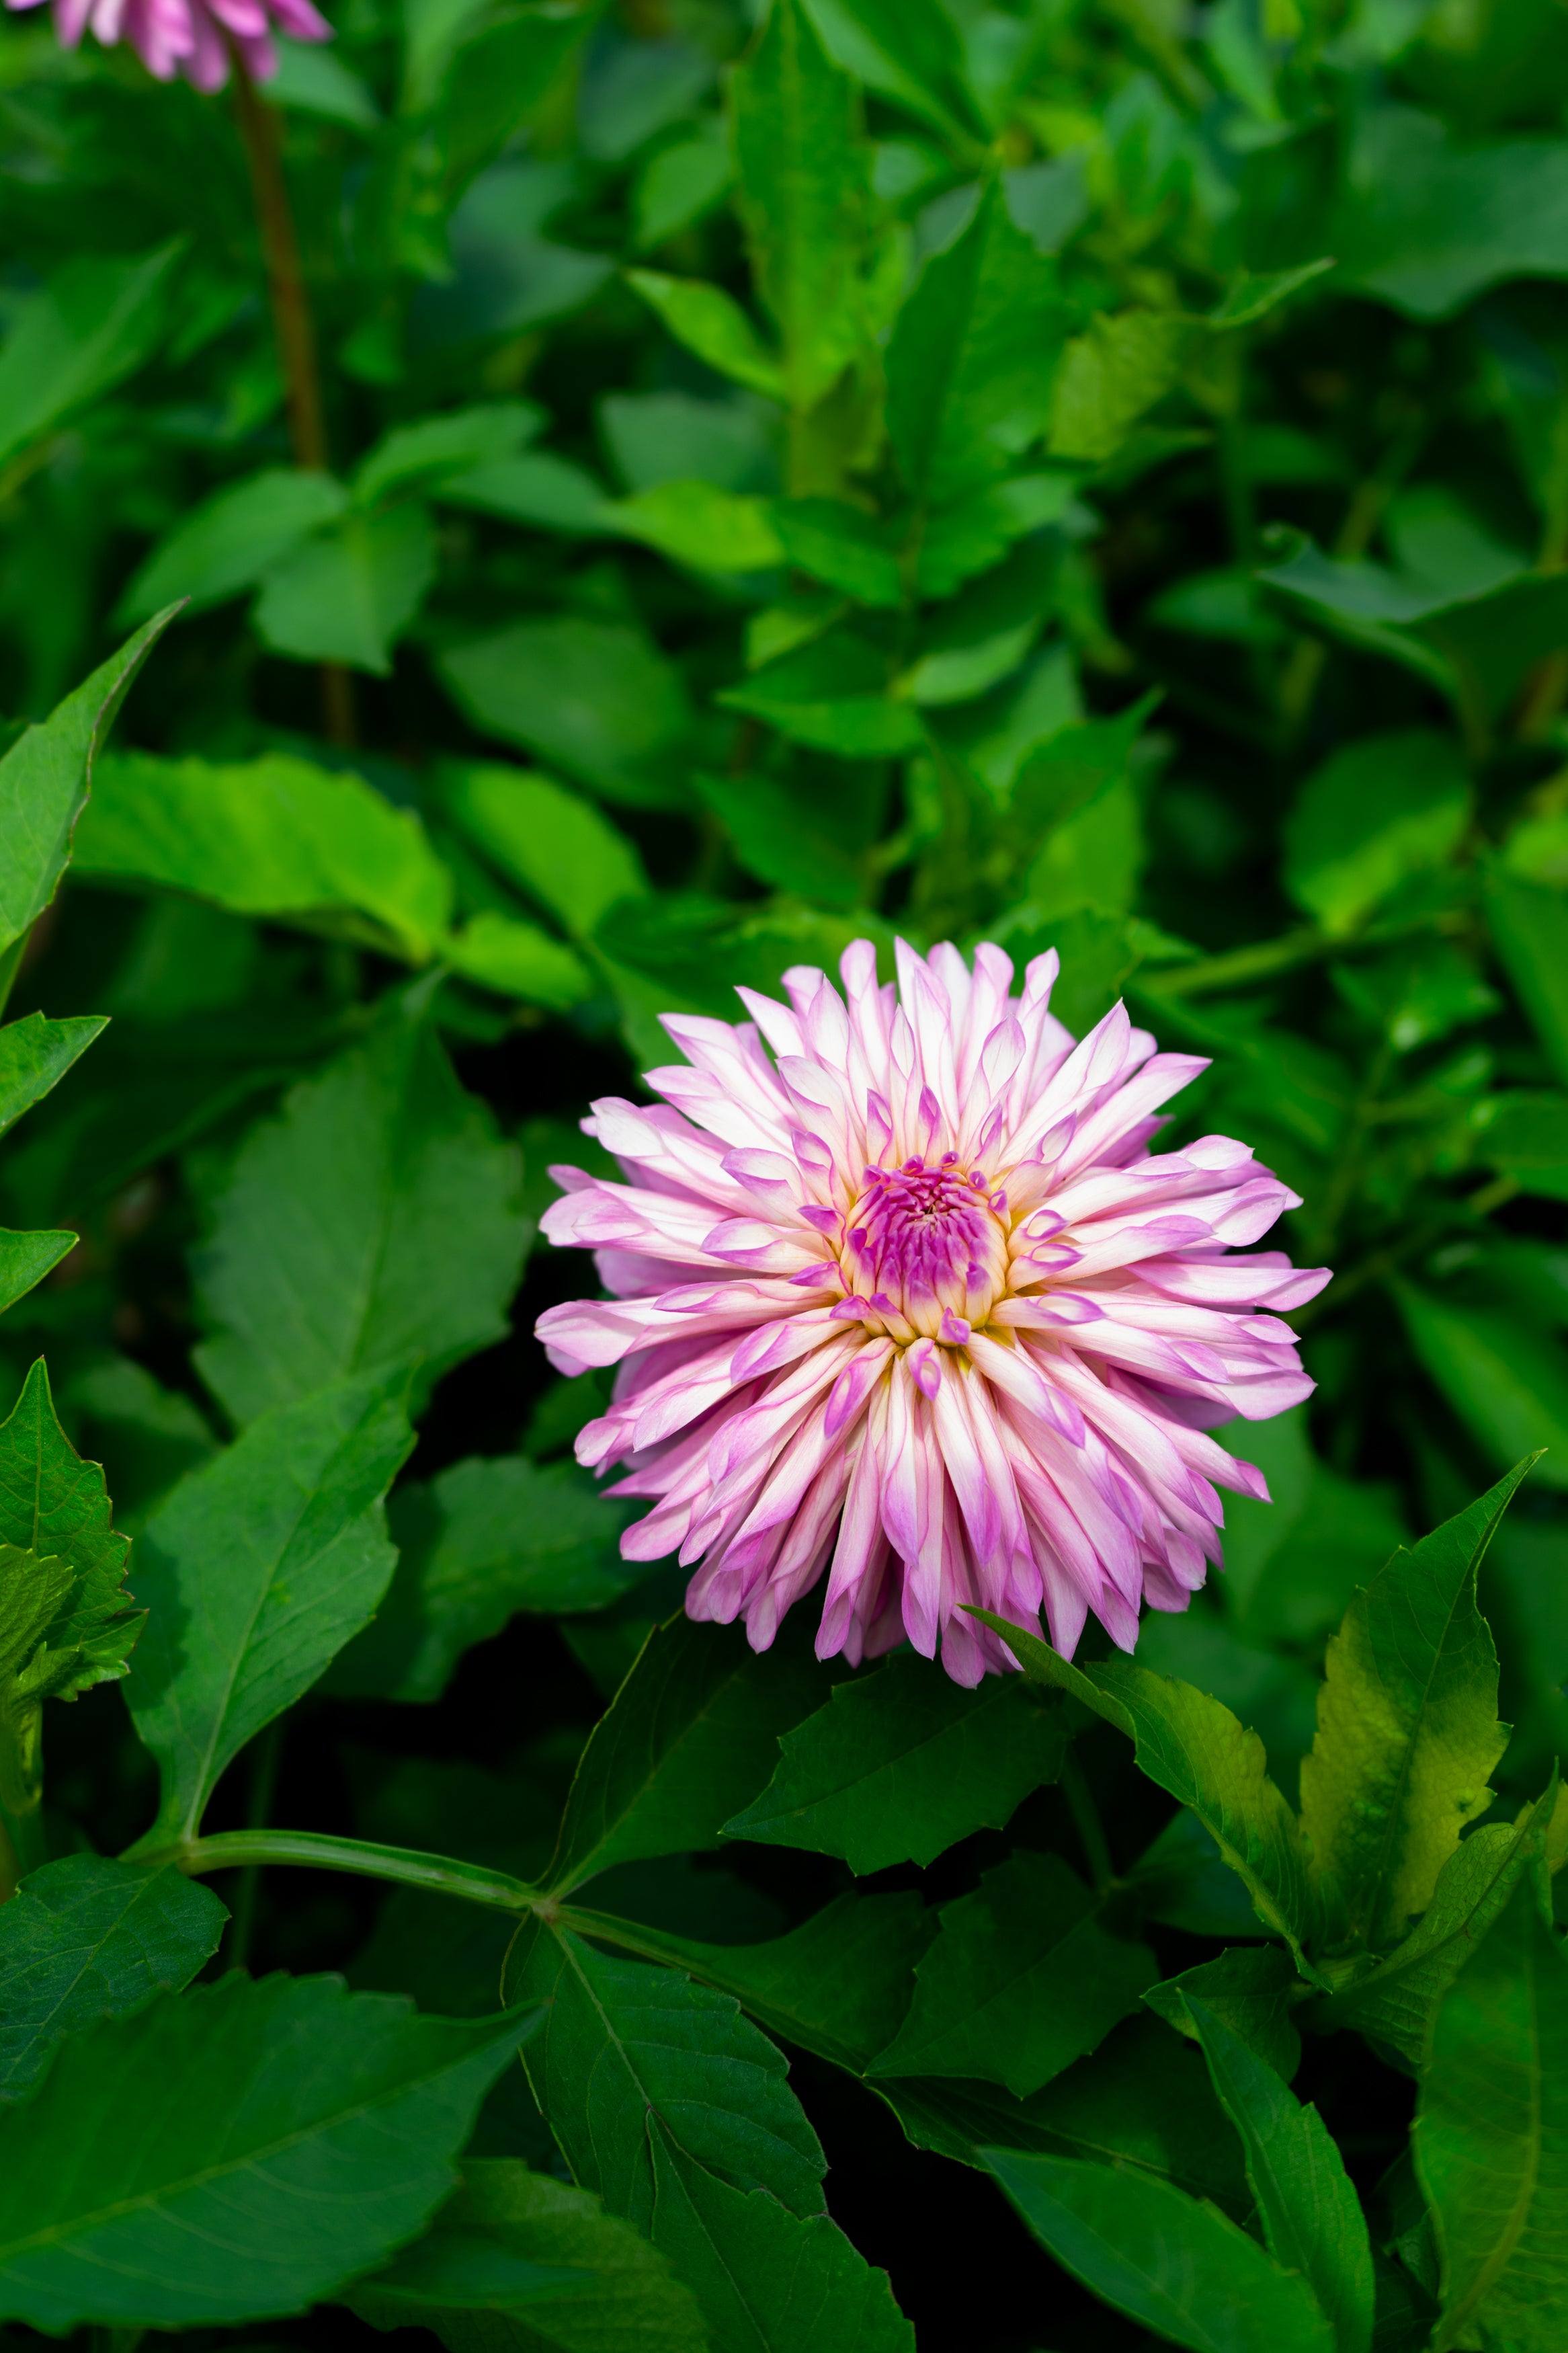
(1248, 1989)
(35, 1055)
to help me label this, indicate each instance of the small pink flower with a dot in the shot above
(911, 1302)
(187, 37)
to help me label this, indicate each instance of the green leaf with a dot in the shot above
(226, 2125)
(348, 594)
(1426, 226)
(275, 837)
(499, 71)
(625, 2044)
(519, 2263)
(1248, 1989)
(539, 488)
(768, 2280)
(689, 1739)
(44, 782)
(1396, 2005)
(1176, 2264)
(379, 1218)
(25, 1259)
(832, 695)
(801, 195)
(1527, 1137)
(712, 324)
(1252, 293)
(678, 187)
(1528, 928)
(227, 541)
(552, 843)
(971, 362)
(1022, 1979)
(87, 1939)
(592, 697)
(1407, 1729)
(95, 323)
(435, 450)
(833, 1985)
(484, 1540)
(1195, 1748)
(1312, 2221)
(698, 526)
(911, 55)
(841, 546)
(903, 1763)
(1377, 811)
(515, 958)
(35, 1056)
(311, 81)
(1109, 377)
(258, 1569)
(1505, 1379)
(1491, 2138)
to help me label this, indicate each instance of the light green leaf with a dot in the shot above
(678, 186)
(832, 695)
(1109, 377)
(519, 2263)
(1175, 2264)
(1248, 1989)
(591, 697)
(1491, 2138)
(86, 1938)
(274, 836)
(1022, 1979)
(311, 81)
(25, 1259)
(1377, 811)
(44, 782)
(515, 958)
(695, 524)
(348, 594)
(971, 358)
(438, 448)
(1504, 1379)
(712, 324)
(1527, 1137)
(538, 488)
(690, 1738)
(1312, 2220)
(1252, 293)
(1407, 1729)
(95, 323)
(36, 1054)
(802, 164)
(901, 1764)
(552, 843)
(485, 1539)
(768, 2280)
(215, 2118)
(841, 546)
(226, 541)
(911, 55)
(1529, 925)
(378, 1218)
(1196, 1750)
(258, 1569)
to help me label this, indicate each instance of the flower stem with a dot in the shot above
(438, 1875)
(295, 331)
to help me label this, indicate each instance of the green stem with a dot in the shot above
(438, 1875)
(295, 331)
(1085, 1813)
(1238, 967)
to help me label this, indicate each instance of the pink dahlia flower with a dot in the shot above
(912, 1303)
(188, 37)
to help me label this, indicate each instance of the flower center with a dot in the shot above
(929, 1243)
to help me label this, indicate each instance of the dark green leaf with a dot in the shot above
(376, 1220)
(1527, 927)
(96, 322)
(484, 1540)
(347, 595)
(691, 1735)
(1426, 226)
(225, 543)
(591, 696)
(226, 2125)
(35, 1055)
(903, 1763)
(1248, 1988)
(1312, 2220)
(1407, 1728)
(1377, 811)
(1022, 1979)
(25, 1259)
(519, 2263)
(258, 1569)
(1164, 2259)
(1491, 2138)
(87, 1939)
